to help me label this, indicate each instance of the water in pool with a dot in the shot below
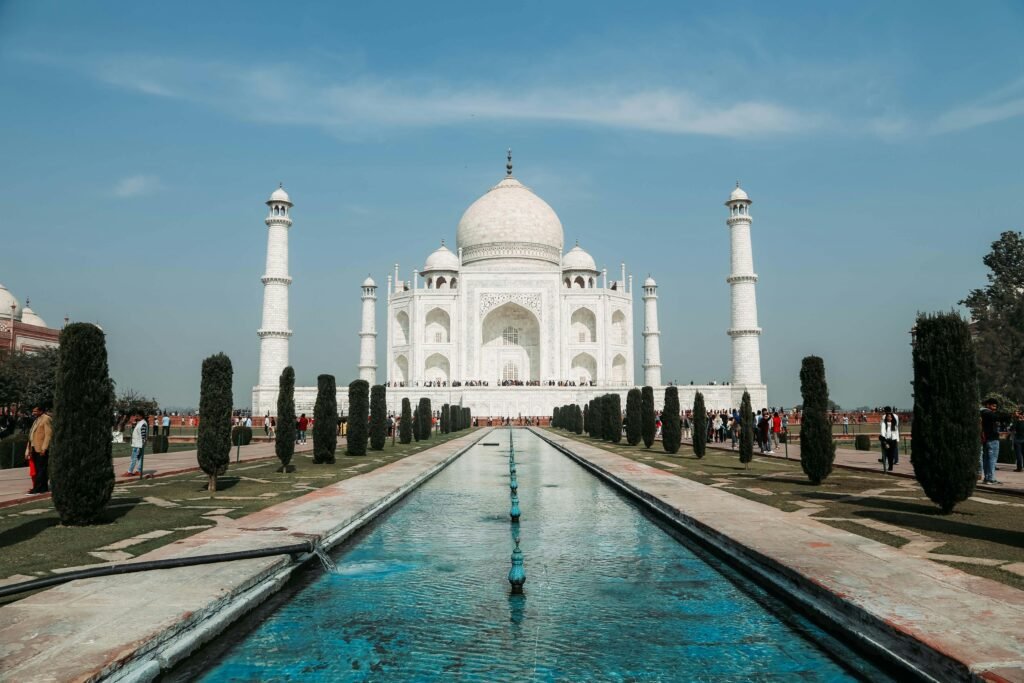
(610, 595)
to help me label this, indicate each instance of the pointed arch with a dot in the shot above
(583, 369)
(438, 327)
(619, 369)
(583, 323)
(401, 369)
(619, 330)
(436, 368)
(401, 328)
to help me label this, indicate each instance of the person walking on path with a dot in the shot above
(303, 426)
(1018, 438)
(764, 432)
(37, 450)
(166, 423)
(846, 425)
(990, 418)
(140, 434)
(776, 429)
(889, 439)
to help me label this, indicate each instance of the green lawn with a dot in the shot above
(34, 542)
(895, 510)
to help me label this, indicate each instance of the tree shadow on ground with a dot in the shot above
(944, 525)
(887, 504)
(225, 483)
(124, 506)
(29, 529)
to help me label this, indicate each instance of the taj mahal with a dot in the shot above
(508, 323)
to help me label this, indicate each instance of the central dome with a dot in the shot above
(510, 221)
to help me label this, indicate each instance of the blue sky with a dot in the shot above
(881, 143)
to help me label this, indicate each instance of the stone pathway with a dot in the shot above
(14, 483)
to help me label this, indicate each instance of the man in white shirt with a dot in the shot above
(140, 434)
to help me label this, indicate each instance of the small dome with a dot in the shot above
(29, 317)
(368, 282)
(279, 195)
(738, 194)
(510, 221)
(441, 259)
(6, 299)
(577, 259)
(649, 282)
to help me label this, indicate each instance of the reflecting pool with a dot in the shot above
(610, 594)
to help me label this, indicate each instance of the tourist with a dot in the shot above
(140, 433)
(271, 431)
(764, 427)
(777, 429)
(166, 421)
(687, 426)
(37, 450)
(889, 439)
(303, 423)
(1017, 429)
(990, 418)
(266, 425)
(846, 424)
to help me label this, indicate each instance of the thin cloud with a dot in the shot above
(1000, 105)
(136, 185)
(280, 95)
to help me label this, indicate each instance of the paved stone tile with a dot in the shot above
(112, 555)
(975, 622)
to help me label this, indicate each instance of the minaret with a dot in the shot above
(274, 332)
(652, 336)
(746, 349)
(368, 333)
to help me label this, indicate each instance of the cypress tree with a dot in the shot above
(213, 445)
(945, 428)
(358, 415)
(614, 418)
(700, 426)
(425, 418)
(325, 420)
(416, 428)
(81, 465)
(405, 426)
(469, 417)
(671, 429)
(746, 430)
(284, 435)
(648, 419)
(378, 417)
(554, 418)
(444, 418)
(579, 419)
(633, 418)
(817, 449)
(586, 418)
(597, 418)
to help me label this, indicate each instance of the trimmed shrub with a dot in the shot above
(358, 415)
(426, 419)
(596, 419)
(700, 426)
(554, 418)
(614, 418)
(944, 432)
(13, 458)
(468, 418)
(671, 426)
(240, 436)
(861, 442)
(158, 443)
(586, 418)
(817, 449)
(213, 446)
(633, 418)
(405, 426)
(416, 428)
(378, 417)
(579, 419)
(746, 430)
(443, 421)
(648, 418)
(81, 464)
(325, 421)
(284, 435)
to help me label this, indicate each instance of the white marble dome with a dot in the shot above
(29, 317)
(578, 259)
(6, 299)
(279, 195)
(510, 221)
(649, 282)
(738, 194)
(441, 259)
(368, 282)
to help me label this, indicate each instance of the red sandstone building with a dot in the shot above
(21, 329)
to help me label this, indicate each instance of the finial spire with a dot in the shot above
(737, 183)
(442, 241)
(508, 166)
(281, 185)
(577, 241)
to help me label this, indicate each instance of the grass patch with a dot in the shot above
(34, 542)
(865, 503)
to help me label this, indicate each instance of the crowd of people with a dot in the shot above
(442, 383)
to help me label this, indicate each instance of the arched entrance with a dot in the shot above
(510, 345)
